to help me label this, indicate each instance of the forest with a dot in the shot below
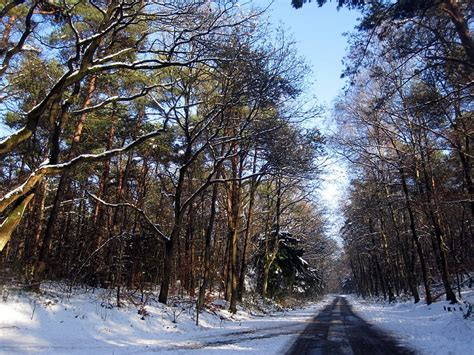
(406, 127)
(158, 145)
(169, 146)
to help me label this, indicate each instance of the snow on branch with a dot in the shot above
(51, 169)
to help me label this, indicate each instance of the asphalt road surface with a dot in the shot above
(337, 330)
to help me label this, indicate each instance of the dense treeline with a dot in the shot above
(156, 143)
(406, 125)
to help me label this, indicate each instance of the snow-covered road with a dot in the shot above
(337, 330)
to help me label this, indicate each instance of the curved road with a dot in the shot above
(337, 330)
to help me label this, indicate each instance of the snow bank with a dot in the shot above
(428, 329)
(87, 323)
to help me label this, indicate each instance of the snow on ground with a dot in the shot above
(428, 329)
(86, 323)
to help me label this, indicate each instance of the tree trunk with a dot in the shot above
(462, 28)
(248, 230)
(62, 185)
(437, 229)
(208, 248)
(269, 258)
(414, 233)
(168, 263)
(233, 201)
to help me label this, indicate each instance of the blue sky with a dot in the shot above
(318, 32)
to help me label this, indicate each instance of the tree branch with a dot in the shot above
(132, 206)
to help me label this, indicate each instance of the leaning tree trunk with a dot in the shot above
(40, 267)
(462, 28)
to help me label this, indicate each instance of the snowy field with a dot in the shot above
(87, 324)
(428, 329)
